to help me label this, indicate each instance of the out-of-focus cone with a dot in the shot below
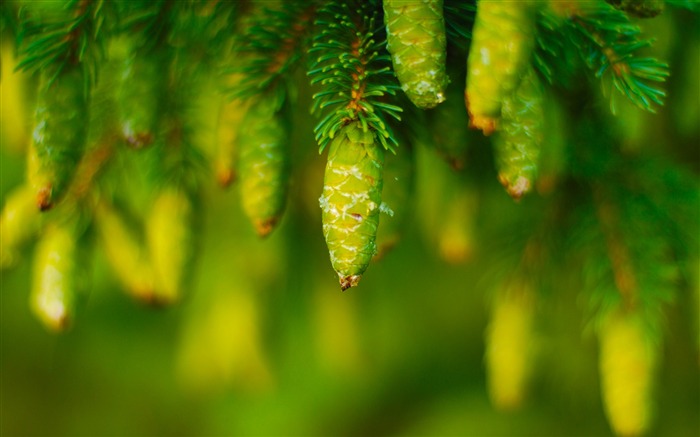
(127, 256)
(171, 243)
(221, 347)
(446, 207)
(229, 124)
(19, 221)
(456, 235)
(628, 359)
(14, 118)
(510, 346)
(59, 276)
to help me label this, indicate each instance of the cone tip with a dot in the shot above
(265, 226)
(518, 189)
(348, 281)
(225, 177)
(44, 199)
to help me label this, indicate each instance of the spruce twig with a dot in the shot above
(609, 43)
(354, 69)
(53, 36)
(271, 49)
(459, 19)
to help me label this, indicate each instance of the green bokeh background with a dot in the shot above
(400, 355)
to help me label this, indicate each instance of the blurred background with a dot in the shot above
(266, 344)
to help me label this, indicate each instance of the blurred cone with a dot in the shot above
(627, 363)
(509, 347)
(19, 221)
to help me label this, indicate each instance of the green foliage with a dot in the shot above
(270, 48)
(148, 19)
(610, 43)
(459, 19)
(54, 36)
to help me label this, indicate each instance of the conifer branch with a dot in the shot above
(550, 57)
(629, 259)
(272, 48)
(354, 69)
(459, 19)
(53, 37)
(8, 19)
(609, 43)
(618, 254)
(148, 19)
(205, 29)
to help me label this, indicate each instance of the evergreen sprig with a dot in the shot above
(353, 67)
(629, 263)
(459, 20)
(268, 50)
(206, 29)
(609, 44)
(625, 231)
(53, 36)
(551, 58)
(148, 19)
(8, 19)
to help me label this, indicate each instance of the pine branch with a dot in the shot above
(551, 58)
(459, 19)
(271, 49)
(354, 69)
(609, 43)
(625, 279)
(8, 19)
(54, 36)
(205, 29)
(147, 19)
(639, 258)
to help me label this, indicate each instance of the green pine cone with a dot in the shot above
(351, 199)
(142, 78)
(396, 198)
(417, 43)
(59, 276)
(60, 134)
(263, 165)
(517, 145)
(502, 42)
